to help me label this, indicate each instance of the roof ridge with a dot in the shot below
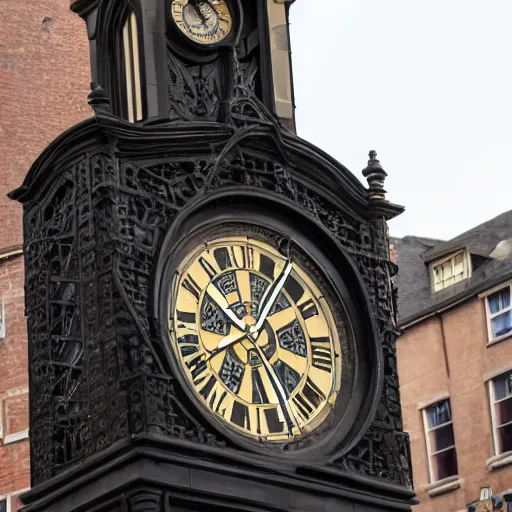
(474, 228)
(418, 237)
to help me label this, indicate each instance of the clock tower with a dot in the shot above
(211, 314)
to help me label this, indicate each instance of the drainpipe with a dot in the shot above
(443, 337)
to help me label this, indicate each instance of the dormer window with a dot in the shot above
(450, 270)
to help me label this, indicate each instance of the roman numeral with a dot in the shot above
(321, 348)
(192, 287)
(222, 258)
(186, 317)
(206, 390)
(197, 366)
(294, 289)
(274, 424)
(308, 400)
(308, 309)
(217, 398)
(240, 416)
(267, 266)
(189, 345)
(208, 267)
(259, 393)
(242, 256)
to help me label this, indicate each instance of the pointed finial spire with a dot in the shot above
(375, 175)
(97, 99)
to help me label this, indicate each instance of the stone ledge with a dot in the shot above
(498, 461)
(16, 437)
(499, 339)
(445, 485)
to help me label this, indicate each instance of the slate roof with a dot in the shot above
(490, 267)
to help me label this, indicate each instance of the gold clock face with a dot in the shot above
(204, 21)
(255, 338)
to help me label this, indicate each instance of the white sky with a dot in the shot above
(428, 85)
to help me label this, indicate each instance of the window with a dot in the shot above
(132, 68)
(500, 390)
(499, 313)
(3, 505)
(442, 456)
(450, 270)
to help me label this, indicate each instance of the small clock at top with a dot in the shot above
(203, 21)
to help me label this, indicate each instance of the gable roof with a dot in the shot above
(491, 266)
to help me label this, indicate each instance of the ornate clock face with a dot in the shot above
(203, 21)
(255, 338)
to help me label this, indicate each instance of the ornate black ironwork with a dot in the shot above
(194, 91)
(92, 239)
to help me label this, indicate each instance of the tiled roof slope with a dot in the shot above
(490, 247)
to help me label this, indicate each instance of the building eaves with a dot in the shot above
(416, 299)
(459, 294)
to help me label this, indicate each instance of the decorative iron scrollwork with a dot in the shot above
(92, 242)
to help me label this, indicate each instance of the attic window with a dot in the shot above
(450, 270)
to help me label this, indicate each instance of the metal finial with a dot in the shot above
(97, 99)
(375, 175)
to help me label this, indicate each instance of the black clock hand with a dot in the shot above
(195, 4)
(222, 303)
(278, 388)
(270, 297)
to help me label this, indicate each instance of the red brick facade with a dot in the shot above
(447, 356)
(14, 445)
(44, 79)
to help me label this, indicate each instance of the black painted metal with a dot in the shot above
(104, 207)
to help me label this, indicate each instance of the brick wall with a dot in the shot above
(44, 82)
(430, 368)
(14, 446)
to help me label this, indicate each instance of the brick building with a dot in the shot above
(44, 81)
(455, 362)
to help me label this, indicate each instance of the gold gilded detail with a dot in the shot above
(255, 338)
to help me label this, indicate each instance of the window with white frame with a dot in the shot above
(450, 270)
(500, 391)
(3, 504)
(442, 455)
(499, 313)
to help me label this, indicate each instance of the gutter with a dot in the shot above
(436, 312)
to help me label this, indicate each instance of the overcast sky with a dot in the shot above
(428, 85)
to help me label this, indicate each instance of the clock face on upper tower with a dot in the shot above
(206, 22)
